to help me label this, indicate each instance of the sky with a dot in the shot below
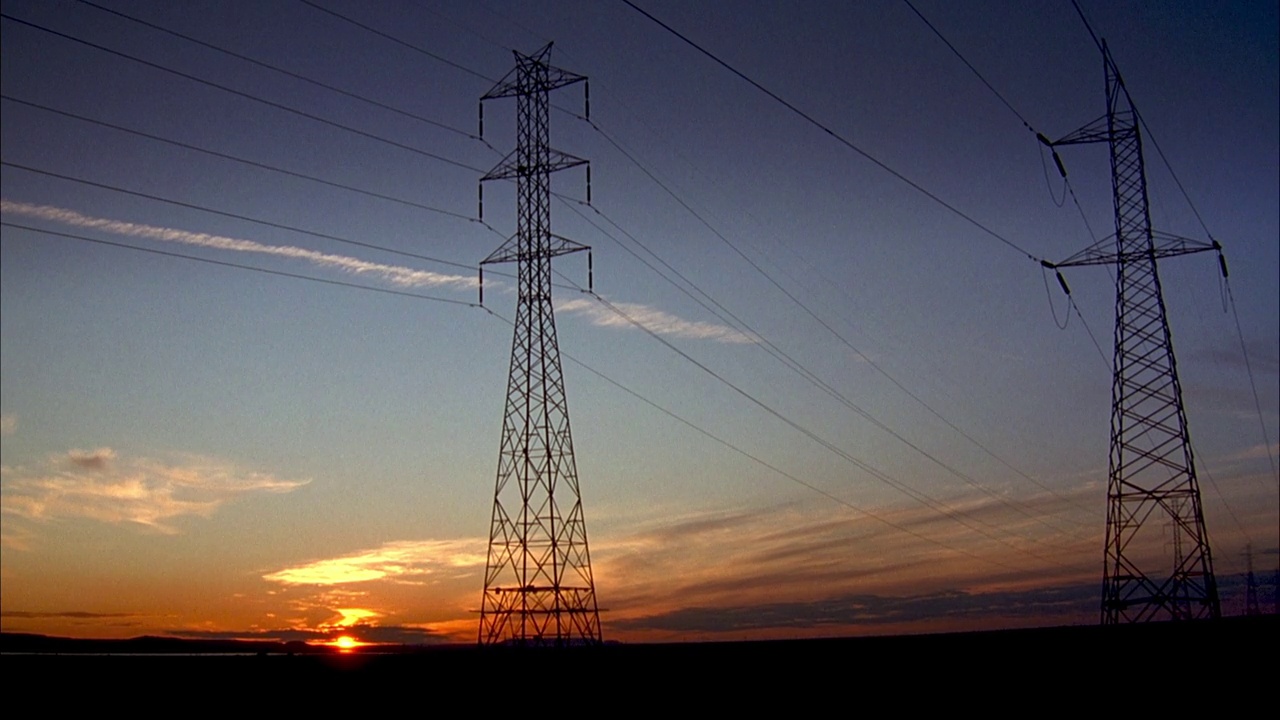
(197, 448)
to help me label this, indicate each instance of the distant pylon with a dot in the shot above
(1251, 585)
(538, 586)
(1151, 469)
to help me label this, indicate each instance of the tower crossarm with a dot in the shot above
(513, 166)
(1095, 132)
(510, 251)
(1163, 245)
(522, 81)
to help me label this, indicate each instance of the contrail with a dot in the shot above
(658, 321)
(397, 275)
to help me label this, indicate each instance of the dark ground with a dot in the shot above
(1109, 671)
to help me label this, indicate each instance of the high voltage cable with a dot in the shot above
(839, 138)
(765, 464)
(790, 296)
(240, 266)
(791, 363)
(877, 517)
(289, 73)
(917, 495)
(969, 65)
(245, 161)
(249, 96)
(260, 221)
(1266, 440)
(398, 41)
(797, 367)
(1150, 135)
(1181, 188)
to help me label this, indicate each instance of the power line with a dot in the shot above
(239, 266)
(763, 463)
(798, 368)
(967, 64)
(397, 40)
(260, 221)
(776, 352)
(917, 495)
(249, 96)
(768, 346)
(296, 76)
(244, 161)
(1266, 439)
(839, 138)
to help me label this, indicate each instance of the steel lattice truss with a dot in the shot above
(538, 587)
(1157, 563)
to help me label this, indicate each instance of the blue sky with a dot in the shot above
(184, 442)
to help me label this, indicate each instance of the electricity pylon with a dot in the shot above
(538, 586)
(1151, 470)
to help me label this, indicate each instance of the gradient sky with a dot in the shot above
(196, 449)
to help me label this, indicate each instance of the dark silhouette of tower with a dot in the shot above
(1251, 585)
(1152, 475)
(538, 587)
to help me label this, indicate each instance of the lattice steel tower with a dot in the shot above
(1151, 487)
(538, 587)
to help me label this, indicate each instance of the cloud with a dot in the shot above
(99, 485)
(70, 615)
(396, 275)
(1077, 601)
(813, 561)
(402, 561)
(652, 319)
(397, 634)
(93, 459)
(8, 424)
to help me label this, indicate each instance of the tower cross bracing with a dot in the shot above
(538, 589)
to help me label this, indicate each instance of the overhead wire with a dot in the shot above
(837, 136)
(245, 161)
(768, 346)
(878, 517)
(1200, 219)
(795, 366)
(917, 495)
(240, 266)
(289, 73)
(748, 259)
(261, 221)
(249, 96)
(396, 40)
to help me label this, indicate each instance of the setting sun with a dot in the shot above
(346, 643)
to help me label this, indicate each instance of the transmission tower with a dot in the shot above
(1151, 475)
(538, 587)
(1251, 585)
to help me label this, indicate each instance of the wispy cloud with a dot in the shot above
(8, 424)
(396, 275)
(99, 485)
(401, 561)
(69, 614)
(657, 321)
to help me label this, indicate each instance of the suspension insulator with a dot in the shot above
(480, 207)
(1222, 263)
(590, 274)
(481, 121)
(586, 99)
(482, 285)
(1062, 170)
(588, 183)
(1063, 282)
